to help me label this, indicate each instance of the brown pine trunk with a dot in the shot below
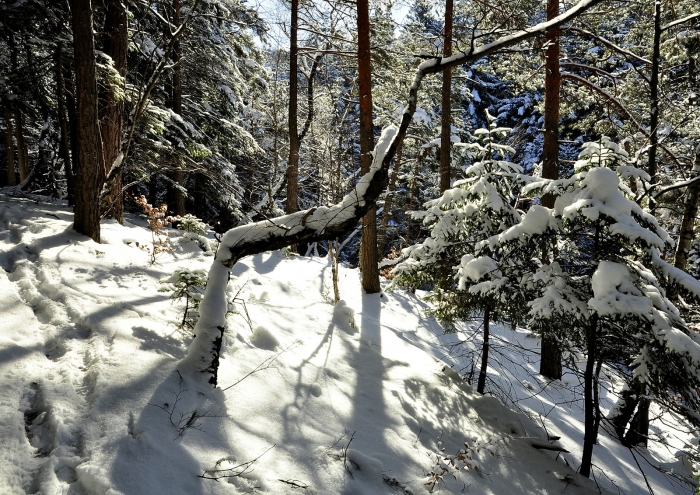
(445, 138)
(89, 170)
(9, 149)
(368, 248)
(111, 109)
(550, 363)
(64, 148)
(293, 162)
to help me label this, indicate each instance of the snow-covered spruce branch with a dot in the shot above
(322, 223)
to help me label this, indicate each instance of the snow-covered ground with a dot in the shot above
(360, 398)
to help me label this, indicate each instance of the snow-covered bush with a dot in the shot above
(190, 285)
(191, 224)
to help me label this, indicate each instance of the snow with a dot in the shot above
(357, 398)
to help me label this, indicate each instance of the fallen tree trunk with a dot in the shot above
(322, 223)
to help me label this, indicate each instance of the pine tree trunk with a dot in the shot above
(177, 206)
(445, 138)
(550, 363)
(64, 148)
(293, 162)
(89, 170)
(481, 385)
(654, 90)
(9, 149)
(111, 109)
(368, 248)
(72, 106)
(589, 403)
(22, 152)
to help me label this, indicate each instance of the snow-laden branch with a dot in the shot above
(323, 222)
(681, 21)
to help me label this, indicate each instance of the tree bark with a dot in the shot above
(9, 149)
(293, 162)
(177, 199)
(368, 247)
(64, 148)
(89, 170)
(654, 94)
(111, 109)
(484, 352)
(388, 203)
(22, 151)
(550, 363)
(589, 403)
(446, 136)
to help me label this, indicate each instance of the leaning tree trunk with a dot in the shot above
(112, 109)
(9, 149)
(368, 247)
(388, 203)
(550, 362)
(446, 136)
(323, 223)
(87, 174)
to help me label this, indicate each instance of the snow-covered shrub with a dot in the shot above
(191, 224)
(190, 285)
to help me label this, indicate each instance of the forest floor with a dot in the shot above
(361, 398)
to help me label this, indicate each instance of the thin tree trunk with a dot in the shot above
(293, 162)
(388, 203)
(9, 149)
(445, 138)
(589, 404)
(22, 152)
(73, 128)
(654, 90)
(484, 352)
(687, 232)
(87, 174)
(64, 149)
(177, 198)
(550, 363)
(596, 399)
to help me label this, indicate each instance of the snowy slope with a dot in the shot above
(354, 399)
